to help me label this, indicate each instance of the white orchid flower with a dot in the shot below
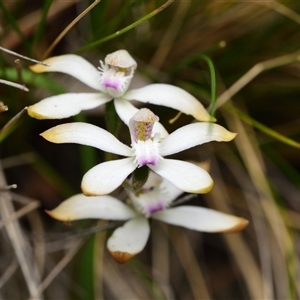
(111, 82)
(150, 202)
(147, 149)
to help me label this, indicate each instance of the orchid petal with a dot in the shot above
(185, 176)
(156, 194)
(172, 192)
(153, 180)
(66, 105)
(170, 96)
(101, 207)
(160, 129)
(86, 134)
(126, 110)
(192, 135)
(201, 219)
(129, 240)
(73, 65)
(149, 201)
(106, 177)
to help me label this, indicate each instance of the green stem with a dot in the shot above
(86, 269)
(213, 83)
(125, 29)
(244, 117)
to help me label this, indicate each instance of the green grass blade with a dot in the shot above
(10, 126)
(11, 20)
(125, 29)
(41, 25)
(266, 130)
(213, 83)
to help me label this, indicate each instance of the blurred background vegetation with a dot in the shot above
(255, 48)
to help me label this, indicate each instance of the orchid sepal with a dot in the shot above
(170, 96)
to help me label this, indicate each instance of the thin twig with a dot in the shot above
(20, 213)
(9, 125)
(22, 56)
(19, 243)
(129, 27)
(18, 160)
(64, 32)
(167, 41)
(282, 9)
(16, 85)
(58, 268)
(12, 120)
(253, 161)
(10, 270)
(19, 71)
(189, 263)
(7, 187)
(254, 72)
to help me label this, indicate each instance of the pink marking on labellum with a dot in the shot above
(112, 83)
(152, 160)
(154, 208)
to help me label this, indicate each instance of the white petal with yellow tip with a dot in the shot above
(66, 105)
(129, 240)
(193, 135)
(185, 176)
(201, 219)
(170, 96)
(86, 134)
(80, 207)
(106, 177)
(73, 65)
